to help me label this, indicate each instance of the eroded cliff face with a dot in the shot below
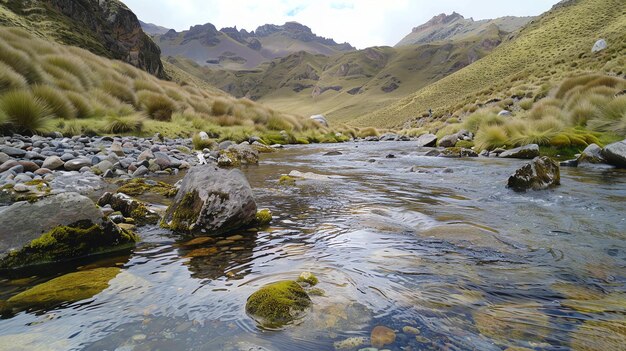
(117, 28)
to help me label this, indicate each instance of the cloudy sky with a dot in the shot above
(362, 23)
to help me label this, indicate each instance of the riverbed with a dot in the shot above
(437, 249)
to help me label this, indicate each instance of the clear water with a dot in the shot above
(447, 250)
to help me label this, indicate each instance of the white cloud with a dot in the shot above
(362, 23)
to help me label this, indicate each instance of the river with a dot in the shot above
(446, 256)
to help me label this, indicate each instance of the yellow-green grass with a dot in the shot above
(551, 48)
(43, 84)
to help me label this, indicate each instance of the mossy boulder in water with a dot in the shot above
(211, 200)
(67, 288)
(263, 217)
(140, 186)
(541, 173)
(57, 228)
(277, 304)
(308, 277)
(129, 207)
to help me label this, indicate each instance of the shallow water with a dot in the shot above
(447, 250)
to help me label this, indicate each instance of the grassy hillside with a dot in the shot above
(51, 87)
(547, 51)
(350, 84)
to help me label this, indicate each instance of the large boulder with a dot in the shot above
(57, 228)
(427, 140)
(211, 200)
(541, 173)
(615, 154)
(448, 140)
(320, 119)
(591, 155)
(524, 152)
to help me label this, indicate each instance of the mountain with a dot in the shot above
(552, 47)
(153, 29)
(350, 84)
(106, 28)
(453, 27)
(240, 49)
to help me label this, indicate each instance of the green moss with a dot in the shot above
(287, 180)
(186, 213)
(139, 186)
(67, 288)
(308, 277)
(277, 304)
(465, 144)
(64, 243)
(264, 217)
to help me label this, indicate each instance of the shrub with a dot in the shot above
(491, 137)
(157, 106)
(123, 124)
(11, 80)
(81, 104)
(221, 107)
(57, 102)
(25, 112)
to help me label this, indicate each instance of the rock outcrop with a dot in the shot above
(541, 173)
(211, 200)
(277, 304)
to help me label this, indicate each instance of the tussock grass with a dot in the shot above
(200, 144)
(124, 124)
(57, 102)
(81, 104)
(158, 106)
(25, 112)
(120, 90)
(21, 63)
(221, 107)
(367, 132)
(10, 79)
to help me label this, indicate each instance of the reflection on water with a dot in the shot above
(444, 255)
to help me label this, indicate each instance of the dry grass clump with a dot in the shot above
(367, 132)
(57, 102)
(10, 79)
(124, 124)
(120, 90)
(25, 112)
(158, 106)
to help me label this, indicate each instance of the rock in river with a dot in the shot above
(277, 304)
(57, 228)
(427, 140)
(541, 173)
(615, 154)
(526, 152)
(212, 200)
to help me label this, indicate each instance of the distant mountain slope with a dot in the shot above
(153, 29)
(233, 48)
(453, 27)
(553, 46)
(106, 28)
(348, 84)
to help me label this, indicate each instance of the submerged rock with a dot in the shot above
(67, 288)
(263, 217)
(277, 304)
(541, 173)
(382, 336)
(615, 154)
(600, 335)
(57, 228)
(308, 277)
(212, 200)
(513, 322)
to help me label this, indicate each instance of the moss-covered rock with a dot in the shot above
(129, 207)
(140, 186)
(287, 180)
(64, 243)
(263, 217)
(67, 288)
(277, 304)
(541, 173)
(308, 277)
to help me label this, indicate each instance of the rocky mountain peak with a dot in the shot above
(441, 19)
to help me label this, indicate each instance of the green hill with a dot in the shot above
(552, 47)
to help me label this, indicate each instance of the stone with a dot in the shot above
(53, 163)
(427, 140)
(505, 113)
(56, 228)
(116, 148)
(20, 188)
(212, 200)
(350, 343)
(277, 304)
(129, 207)
(389, 137)
(12, 151)
(70, 287)
(599, 45)
(382, 336)
(77, 163)
(448, 140)
(465, 135)
(140, 172)
(203, 136)
(524, 152)
(8, 165)
(333, 153)
(308, 278)
(615, 154)
(513, 322)
(453, 152)
(320, 119)
(4, 157)
(592, 155)
(28, 166)
(145, 155)
(541, 173)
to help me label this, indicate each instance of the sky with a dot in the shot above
(362, 23)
